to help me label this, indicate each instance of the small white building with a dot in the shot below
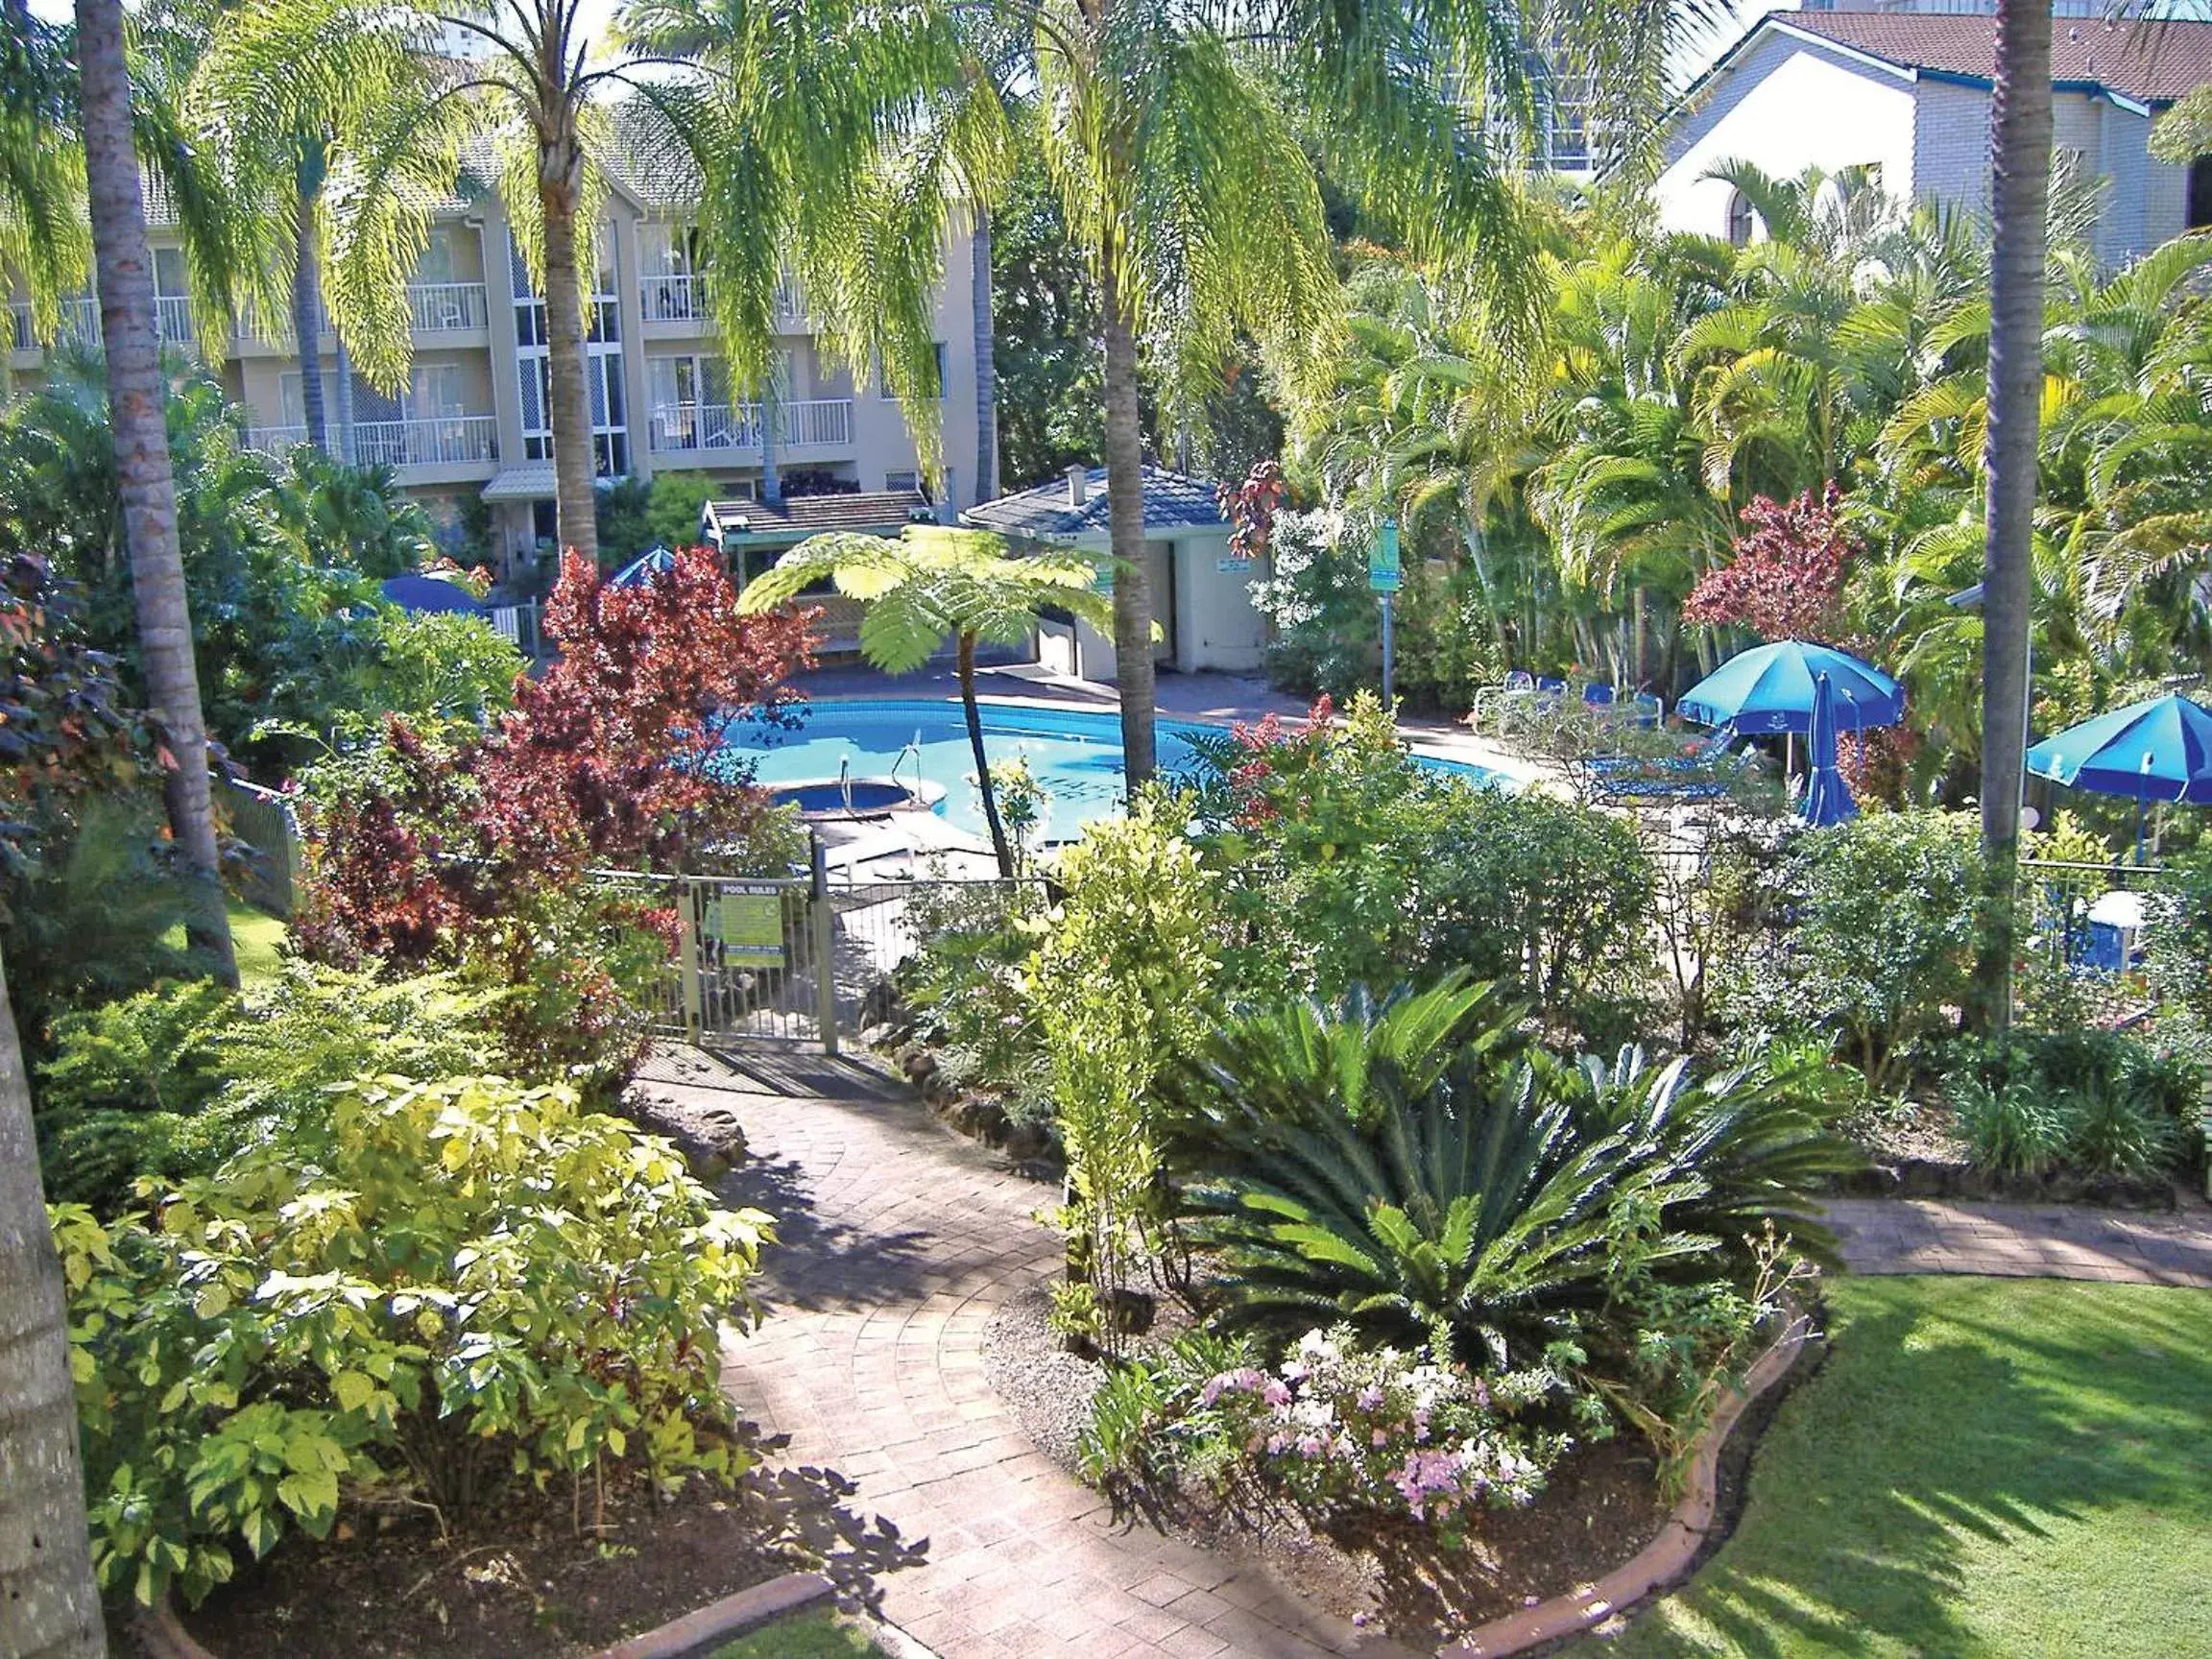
(1201, 590)
(1909, 93)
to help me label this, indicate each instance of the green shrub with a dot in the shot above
(2097, 1101)
(2178, 943)
(1883, 946)
(1121, 985)
(425, 1291)
(1348, 863)
(2014, 1128)
(966, 981)
(171, 1081)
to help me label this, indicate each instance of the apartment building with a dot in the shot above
(473, 419)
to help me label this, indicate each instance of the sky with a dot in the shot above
(597, 13)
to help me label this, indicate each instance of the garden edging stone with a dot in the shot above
(1669, 1557)
(165, 1636)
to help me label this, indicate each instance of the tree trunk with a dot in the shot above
(307, 322)
(136, 398)
(983, 786)
(51, 1609)
(576, 502)
(1133, 673)
(2020, 184)
(979, 302)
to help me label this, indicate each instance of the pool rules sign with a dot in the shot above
(747, 921)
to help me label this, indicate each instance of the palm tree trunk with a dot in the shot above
(137, 397)
(52, 1608)
(1133, 673)
(967, 667)
(307, 322)
(979, 303)
(2020, 165)
(771, 419)
(575, 501)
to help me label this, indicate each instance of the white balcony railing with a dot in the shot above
(444, 307)
(435, 441)
(439, 441)
(682, 299)
(678, 298)
(81, 321)
(807, 423)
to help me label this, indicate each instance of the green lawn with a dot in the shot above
(1985, 1469)
(809, 1636)
(255, 938)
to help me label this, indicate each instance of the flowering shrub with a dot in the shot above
(1340, 1426)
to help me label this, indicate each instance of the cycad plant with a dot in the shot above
(1461, 1194)
(931, 585)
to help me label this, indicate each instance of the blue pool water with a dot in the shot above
(1075, 752)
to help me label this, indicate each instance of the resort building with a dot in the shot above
(1201, 588)
(1908, 93)
(472, 424)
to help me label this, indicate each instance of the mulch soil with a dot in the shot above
(522, 1584)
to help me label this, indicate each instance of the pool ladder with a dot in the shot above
(845, 780)
(914, 749)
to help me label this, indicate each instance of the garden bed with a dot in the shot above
(528, 1582)
(1600, 1505)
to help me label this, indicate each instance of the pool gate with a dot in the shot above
(802, 960)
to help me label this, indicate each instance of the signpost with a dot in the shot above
(1385, 577)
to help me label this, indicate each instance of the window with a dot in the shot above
(901, 481)
(602, 368)
(1740, 220)
(2199, 193)
(438, 264)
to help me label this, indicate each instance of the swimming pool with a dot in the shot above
(1075, 752)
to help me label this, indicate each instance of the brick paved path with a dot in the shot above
(899, 1243)
(2024, 1240)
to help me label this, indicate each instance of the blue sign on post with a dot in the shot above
(1384, 572)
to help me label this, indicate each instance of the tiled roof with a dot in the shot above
(649, 160)
(873, 512)
(2153, 62)
(1171, 502)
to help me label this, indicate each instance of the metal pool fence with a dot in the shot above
(787, 959)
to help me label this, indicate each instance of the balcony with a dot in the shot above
(734, 428)
(679, 299)
(682, 299)
(436, 441)
(80, 321)
(445, 307)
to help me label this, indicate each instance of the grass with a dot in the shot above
(1984, 1469)
(255, 937)
(819, 1635)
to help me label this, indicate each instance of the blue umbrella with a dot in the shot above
(1769, 688)
(2157, 750)
(431, 593)
(640, 571)
(1827, 797)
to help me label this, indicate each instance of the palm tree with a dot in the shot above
(931, 585)
(52, 1608)
(335, 148)
(2020, 126)
(136, 394)
(43, 234)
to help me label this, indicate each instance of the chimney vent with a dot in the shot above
(1079, 486)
